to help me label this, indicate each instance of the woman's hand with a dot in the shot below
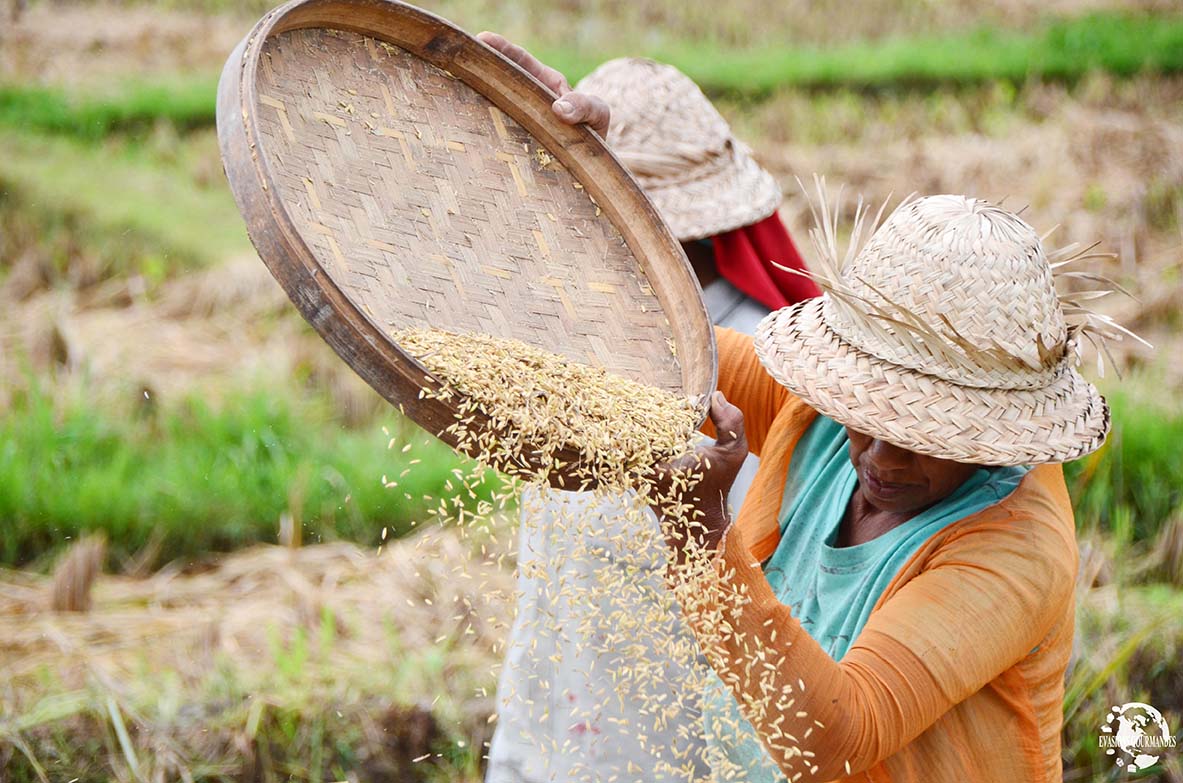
(716, 466)
(571, 107)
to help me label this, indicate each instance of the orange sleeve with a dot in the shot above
(748, 386)
(986, 597)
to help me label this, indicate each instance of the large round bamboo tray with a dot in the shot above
(395, 172)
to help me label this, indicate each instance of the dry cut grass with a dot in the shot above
(328, 662)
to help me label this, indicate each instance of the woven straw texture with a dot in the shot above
(944, 336)
(429, 207)
(679, 148)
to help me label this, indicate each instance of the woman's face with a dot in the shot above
(902, 481)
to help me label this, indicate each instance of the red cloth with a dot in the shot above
(744, 256)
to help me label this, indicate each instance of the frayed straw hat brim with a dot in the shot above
(737, 195)
(1062, 421)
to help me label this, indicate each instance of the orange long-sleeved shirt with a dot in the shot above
(958, 674)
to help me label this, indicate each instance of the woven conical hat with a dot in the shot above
(944, 336)
(680, 150)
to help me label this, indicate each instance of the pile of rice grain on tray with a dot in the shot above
(599, 555)
(540, 403)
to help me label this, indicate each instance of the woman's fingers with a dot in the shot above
(576, 107)
(555, 81)
(728, 421)
(571, 107)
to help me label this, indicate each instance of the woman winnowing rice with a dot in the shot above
(905, 556)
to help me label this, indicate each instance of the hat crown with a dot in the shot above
(956, 288)
(663, 126)
(680, 150)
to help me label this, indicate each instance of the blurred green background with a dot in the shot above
(156, 385)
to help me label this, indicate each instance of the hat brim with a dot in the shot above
(922, 413)
(737, 195)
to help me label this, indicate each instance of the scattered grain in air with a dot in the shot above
(417, 759)
(528, 412)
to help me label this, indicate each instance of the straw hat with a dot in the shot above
(944, 335)
(680, 149)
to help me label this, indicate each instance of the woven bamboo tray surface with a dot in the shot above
(431, 207)
(395, 173)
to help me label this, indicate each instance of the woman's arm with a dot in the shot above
(984, 602)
